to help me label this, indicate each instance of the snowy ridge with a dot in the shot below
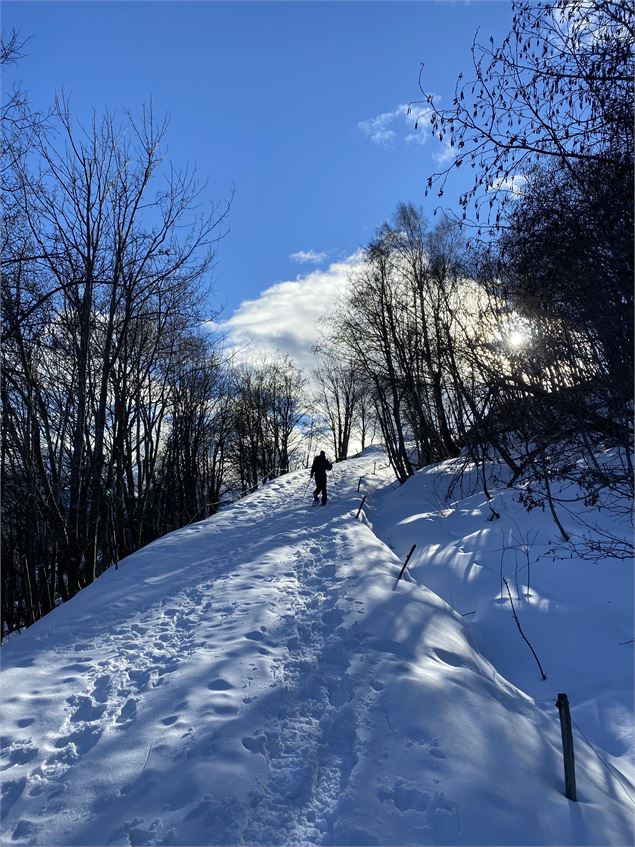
(261, 678)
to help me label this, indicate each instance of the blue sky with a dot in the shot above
(295, 104)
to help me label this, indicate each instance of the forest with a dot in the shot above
(500, 331)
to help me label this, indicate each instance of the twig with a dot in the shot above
(542, 673)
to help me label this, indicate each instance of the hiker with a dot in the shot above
(319, 468)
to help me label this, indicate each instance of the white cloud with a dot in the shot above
(446, 154)
(377, 129)
(409, 115)
(288, 317)
(416, 138)
(308, 257)
(403, 122)
(514, 184)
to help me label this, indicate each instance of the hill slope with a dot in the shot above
(261, 678)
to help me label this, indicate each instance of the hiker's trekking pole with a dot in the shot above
(307, 488)
(337, 489)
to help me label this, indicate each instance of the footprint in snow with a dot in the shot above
(101, 688)
(405, 796)
(332, 617)
(58, 763)
(19, 753)
(140, 679)
(25, 831)
(254, 635)
(82, 740)
(86, 709)
(340, 692)
(127, 713)
(434, 749)
(219, 684)
(440, 814)
(170, 667)
(11, 791)
(255, 743)
(224, 709)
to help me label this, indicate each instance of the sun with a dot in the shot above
(517, 339)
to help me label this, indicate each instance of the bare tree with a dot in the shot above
(559, 88)
(100, 278)
(190, 479)
(338, 397)
(546, 125)
(268, 406)
(402, 328)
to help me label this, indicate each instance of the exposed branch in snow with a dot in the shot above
(542, 673)
(565, 535)
(495, 515)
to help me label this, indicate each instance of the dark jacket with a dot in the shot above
(320, 466)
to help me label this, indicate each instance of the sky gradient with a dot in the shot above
(297, 106)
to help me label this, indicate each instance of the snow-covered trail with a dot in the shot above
(127, 693)
(261, 678)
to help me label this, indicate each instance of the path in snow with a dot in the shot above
(262, 613)
(260, 678)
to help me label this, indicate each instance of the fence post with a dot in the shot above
(401, 572)
(567, 746)
(361, 506)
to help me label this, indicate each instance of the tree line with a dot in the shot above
(122, 417)
(504, 333)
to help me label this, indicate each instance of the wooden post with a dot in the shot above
(359, 483)
(567, 746)
(412, 549)
(361, 506)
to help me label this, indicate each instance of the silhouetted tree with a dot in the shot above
(558, 89)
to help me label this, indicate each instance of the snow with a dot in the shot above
(261, 677)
